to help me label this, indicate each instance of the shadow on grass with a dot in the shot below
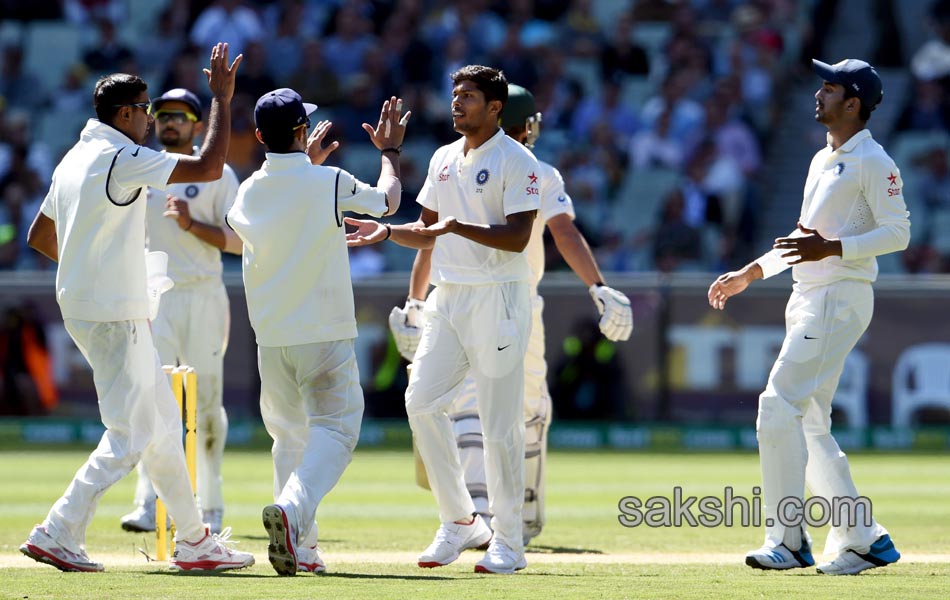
(538, 549)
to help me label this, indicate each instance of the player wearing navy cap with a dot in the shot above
(289, 215)
(853, 211)
(187, 223)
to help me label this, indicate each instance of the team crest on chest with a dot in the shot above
(482, 177)
(191, 191)
(839, 168)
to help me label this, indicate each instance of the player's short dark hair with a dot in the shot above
(280, 141)
(865, 113)
(112, 91)
(489, 81)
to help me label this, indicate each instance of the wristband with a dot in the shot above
(396, 149)
(190, 223)
(389, 231)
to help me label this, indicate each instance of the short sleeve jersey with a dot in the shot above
(189, 258)
(499, 178)
(289, 214)
(100, 232)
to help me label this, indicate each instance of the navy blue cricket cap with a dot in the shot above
(860, 78)
(281, 110)
(179, 95)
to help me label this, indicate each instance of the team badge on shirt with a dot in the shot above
(191, 191)
(481, 177)
(839, 168)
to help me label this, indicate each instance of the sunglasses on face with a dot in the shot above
(175, 117)
(146, 106)
(304, 124)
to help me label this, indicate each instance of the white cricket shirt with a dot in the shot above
(499, 178)
(289, 214)
(189, 258)
(101, 241)
(554, 201)
(852, 194)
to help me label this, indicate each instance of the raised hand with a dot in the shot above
(391, 129)
(315, 150)
(220, 76)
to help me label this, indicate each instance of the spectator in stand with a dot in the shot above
(254, 79)
(581, 32)
(161, 45)
(73, 95)
(350, 40)
(620, 55)
(19, 88)
(686, 116)
(226, 20)
(608, 107)
(108, 55)
(314, 79)
(932, 60)
(185, 72)
(677, 244)
(655, 147)
(926, 109)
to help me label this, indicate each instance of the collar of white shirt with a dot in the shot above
(281, 161)
(854, 141)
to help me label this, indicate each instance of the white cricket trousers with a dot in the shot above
(537, 418)
(485, 329)
(192, 329)
(312, 407)
(142, 423)
(823, 324)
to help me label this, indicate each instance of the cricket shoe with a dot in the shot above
(210, 553)
(41, 547)
(849, 562)
(142, 519)
(501, 559)
(281, 550)
(780, 557)
(451, 539)
(213, 518)
(310, 561)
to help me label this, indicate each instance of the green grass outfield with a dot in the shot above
(376, 521)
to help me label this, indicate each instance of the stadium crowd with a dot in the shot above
(660, 114)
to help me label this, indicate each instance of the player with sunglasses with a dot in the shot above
(187, 223)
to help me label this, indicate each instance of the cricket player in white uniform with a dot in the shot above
(92, 223)
(187, 223)
(853, 211)
(289, 215)
(522, 122)
(484, 189)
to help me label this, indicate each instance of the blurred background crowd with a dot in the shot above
(683, 128)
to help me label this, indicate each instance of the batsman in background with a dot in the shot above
(193, 320)
(853, 211)
(289, 214)
(522, 122)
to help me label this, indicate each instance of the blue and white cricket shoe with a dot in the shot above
(780, 557)
(849, 562)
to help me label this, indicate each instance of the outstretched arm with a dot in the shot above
(512, 236)
(372, 232)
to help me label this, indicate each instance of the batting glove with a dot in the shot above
(406, 325)
(616, 318)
